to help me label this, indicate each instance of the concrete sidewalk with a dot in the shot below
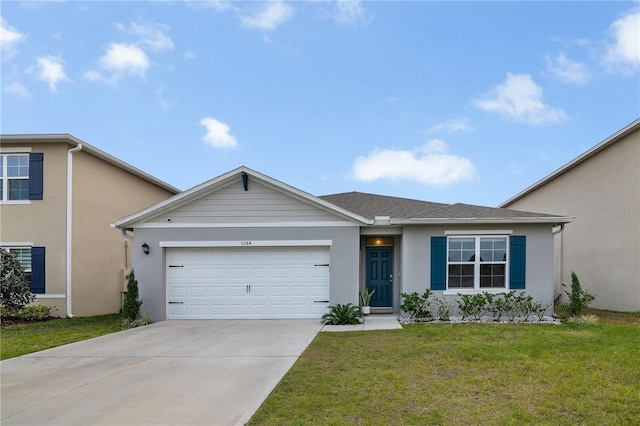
(371, 322)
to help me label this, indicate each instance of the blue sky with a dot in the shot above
(441, 101)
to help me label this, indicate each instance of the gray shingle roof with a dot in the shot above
(371, 205)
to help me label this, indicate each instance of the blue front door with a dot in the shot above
(380, 276)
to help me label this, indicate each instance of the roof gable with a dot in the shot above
(225, 199)
(72, 141)
(621, 134)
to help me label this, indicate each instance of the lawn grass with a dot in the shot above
(21, 339)
(466, 374)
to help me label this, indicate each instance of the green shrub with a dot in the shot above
(15, 291)
(28, 313)
(496, 304)
(342, 315)
(131, 305)
(443, 309)
(586, 320)
(472, 305)
(138, 322)
(417, 306)
(579, 299)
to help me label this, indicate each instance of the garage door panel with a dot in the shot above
(319, 291)
(248, 282)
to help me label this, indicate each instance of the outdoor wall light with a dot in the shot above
(145, 248)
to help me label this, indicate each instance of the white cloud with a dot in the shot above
(430, 164)
(269, 17)
(520, 98)
(9, 38)
(567, 70)
(624, 51)
(453, 125)
(93, 75)
(218, 133)
(216, 5)
(51, 71)
(17, 89)
(151, 36)
(160, 98)
(188, 55)
(121, 58)
(350, 12)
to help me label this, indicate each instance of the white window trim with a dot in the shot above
(481, 233)
(4, 177)
(24, 202)
(476, 265)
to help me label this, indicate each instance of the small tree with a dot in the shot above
(15, 290)
(579, 299)
(131, 306)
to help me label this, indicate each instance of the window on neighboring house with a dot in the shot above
(21, 177)
(15, 177)
(477, 262)
(32, 260)
(23, 256)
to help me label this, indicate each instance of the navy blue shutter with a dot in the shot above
(517, 262)
(438, 263)
(35, 176)
(37, 270)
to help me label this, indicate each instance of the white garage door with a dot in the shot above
(259, 282)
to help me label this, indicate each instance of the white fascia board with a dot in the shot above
(473, 221)
(178, 225)
(246, 243)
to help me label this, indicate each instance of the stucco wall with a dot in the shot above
(416, 250)
(43, 222)
(103, 193)
(150, 269)
(603, 244)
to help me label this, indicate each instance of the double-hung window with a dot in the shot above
(15, 177)
(32, 260)
(23, 256)
(477, 262)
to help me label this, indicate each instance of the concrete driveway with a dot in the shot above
(167, 373)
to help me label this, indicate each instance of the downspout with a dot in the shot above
(69, 222)
(556, 299)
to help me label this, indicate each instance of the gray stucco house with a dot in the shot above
(244, 245)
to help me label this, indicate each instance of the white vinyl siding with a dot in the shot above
(232, 204)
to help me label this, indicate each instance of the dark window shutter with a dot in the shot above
(35, 176)
(438, 263)
(517, 262)
(37, 270)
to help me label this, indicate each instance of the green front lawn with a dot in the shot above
(466, 374)
(16, 340)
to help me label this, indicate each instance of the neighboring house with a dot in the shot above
(245, 245)
(58, 197)
(601, 188)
